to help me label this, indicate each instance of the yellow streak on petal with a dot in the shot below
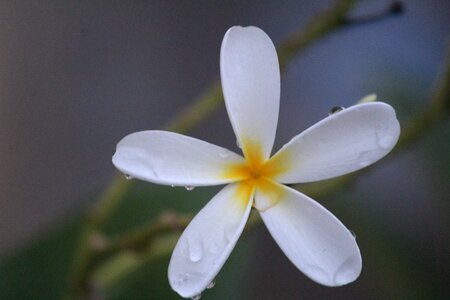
(236, 172)
(276, 165)
(255, 166)
(270, 194)
(258, 173)
(252, 165)
(244, 192)
(253, 154)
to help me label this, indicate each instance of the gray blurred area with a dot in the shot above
(77, 76)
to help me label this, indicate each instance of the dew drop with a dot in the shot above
(224, 154)
(230, 232)
(189, 188)
(195, 247)
(215, 245)
(197, 297)
(211, 284)
(335, 109)
(365, 159)
(181, 278)
(128, 177)
(384, 140)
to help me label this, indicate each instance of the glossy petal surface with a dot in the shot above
(208, 240)
(251, 85)
(314, 240)
(339, 144)
(169, 158)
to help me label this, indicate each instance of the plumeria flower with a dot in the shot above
(314, 240)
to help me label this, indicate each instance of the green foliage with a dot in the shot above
(41, 271)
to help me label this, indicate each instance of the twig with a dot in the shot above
(318, 27)
(395, 9)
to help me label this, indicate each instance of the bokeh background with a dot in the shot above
(77, 76)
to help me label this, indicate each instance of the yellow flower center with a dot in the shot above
(256, 172)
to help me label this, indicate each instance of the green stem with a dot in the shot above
(198, 111)
(437, 110)
(137, 240)
(95, 218)
(318, 27)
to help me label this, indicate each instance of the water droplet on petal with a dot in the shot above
(197, 297)
(181, 278)
(365, 159)
(230, 232)
(189, 188)
(384, 140)
(335, 109)
(217, 244)
(195, 245)
(238, 144)
(128, 177)
(224, 154)
(211, 284)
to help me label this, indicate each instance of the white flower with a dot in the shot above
(315, 241)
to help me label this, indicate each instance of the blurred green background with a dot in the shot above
(78, 76)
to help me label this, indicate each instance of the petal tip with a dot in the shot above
(246, 33)
(177, 283)
(348, 271)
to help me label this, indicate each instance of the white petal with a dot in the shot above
(314, 240)
(169, 158)
(341, 143)
(209, 239)
(251, 86)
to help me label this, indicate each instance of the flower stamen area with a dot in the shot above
(257, 173)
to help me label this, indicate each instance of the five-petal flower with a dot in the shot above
(314, 240)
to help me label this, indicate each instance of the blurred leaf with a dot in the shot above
(146, 278)
(147, 201)
(393, 263)
(40, 271)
